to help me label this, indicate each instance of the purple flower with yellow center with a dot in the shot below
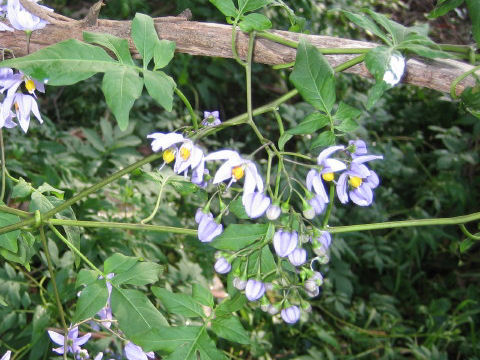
(255, 204)
(189, 156)
(329, 167)
(73, 341)
(285, 242)
(291, 314)
(135, 352)
(236, 168)
(211, 118)
(254, 290)
(21, 19)
(358, 181)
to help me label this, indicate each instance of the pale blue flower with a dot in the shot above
(254, 290)
(273, 212)
(211, 118)
(135, 352)
(6, 356)
(255, 204)
(285, 242)
(360, 148)
(222, 266)
(298, 257)
(73, 341)
(291, 314)
(208, 228)
(21, 19)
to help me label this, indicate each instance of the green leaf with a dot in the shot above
(251, 5)
(119, 263)
(310, 124)
(376, 92)
(230, 328)
(94, 140)
(238, 236)
(121, 88)
(443, 7)
(346, 115)
(231, 305)
(21, 189)
(227, 7)
(314, 77)
(134, 312)
(256, 22)
(396, 30)
(86, 277)
(115, 44)
(39, 202)
(64, 63)
(107, 131)
(144, 37)
(473, 7)
(366, 23)
(91, 300)
(424, 51)
(268, 263)
(9, 240)
(160, 86)
(377, 61)
(283, 140)
(167, 339)
(202, 295)
(326, 138)
(163, 53)
(181, 304)
(347, 125)
(49, 188)
(24, 252)
(139, 274)
(237, 208)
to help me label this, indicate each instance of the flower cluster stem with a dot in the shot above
(189, 107)
(329, 207)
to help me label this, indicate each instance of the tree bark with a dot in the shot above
(209, 39)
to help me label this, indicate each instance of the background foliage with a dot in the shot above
(401, 293)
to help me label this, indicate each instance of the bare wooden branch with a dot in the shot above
(209, 39)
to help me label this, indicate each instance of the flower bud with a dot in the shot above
(222, 266)
(273, 212)
(255, 204)
(273, 310)
(268, 286)
(254, 290)
(298, 257)
(314, 293)
(291, 314)
(285, 207)
(208, 229)
(239, 283)
(264, 307)
(285, 242)
(308, 212)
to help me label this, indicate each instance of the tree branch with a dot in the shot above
(209, 39)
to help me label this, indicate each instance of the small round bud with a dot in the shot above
(273, 212)
(272, 310)
(254, 290)
(222, 266)
(291, 314)
(264, 307)
(308, 212)
(298, 257)
(239, 283)
(285, 207)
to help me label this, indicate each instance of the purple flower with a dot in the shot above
(313, 283)
(360, 148)
(255, 204)
(291, 314)
(21, 19)
(211, 118)
(135, 352)
(6, 356)
(73, 341)
(239, 284)
(361, 182)
(273, 212)
(254, 289)
(317, 204)
(298, 257)
(208, 228)
(222, 266)
(285, 242)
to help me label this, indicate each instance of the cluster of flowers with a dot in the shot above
(74, 343)
(355, 182)
(19, 89)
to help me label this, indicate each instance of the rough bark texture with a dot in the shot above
(207, 39)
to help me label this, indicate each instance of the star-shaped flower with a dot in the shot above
(73, 341)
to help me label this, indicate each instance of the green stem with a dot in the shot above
(75, 250)
(55, 289)
(20, 213)
(189, 107)
(157, 204)
(2, 151)
(453, 87)
(306, 157)
(126, 226)
(348, 64)
(405, 223)
(234, 44)
(283, 66)
(329, 207)
(279, 122)
(468, 233)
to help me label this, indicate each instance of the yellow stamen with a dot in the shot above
(238, 172)
(168, 156)
(184, 153)
(16, 106)
(355, 181)
(30, 86)
(328, 176)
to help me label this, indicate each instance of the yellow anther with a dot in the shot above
(184, 153)
(16, 106)
(238, 172)
(30, 86)
(168, 156)
(355, 181)
(328, 176)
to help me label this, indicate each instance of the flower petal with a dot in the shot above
(342, 188)
(327, 152)
(365, 158)
(56, 337)
(223, 155)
